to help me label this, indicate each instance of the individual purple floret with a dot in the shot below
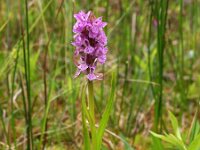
(90, 42)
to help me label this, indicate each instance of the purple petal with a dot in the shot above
(95, 29)
(76, 52)
(83, 67)
(91, 76)
(98, 22)
(89, 49)
(77, 73)
(102, 38)
(93, 34)
(79, 27)
(102, 59)
(80, 16)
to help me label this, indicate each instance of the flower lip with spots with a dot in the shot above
(90, 42)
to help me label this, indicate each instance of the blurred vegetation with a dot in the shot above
(153, 45)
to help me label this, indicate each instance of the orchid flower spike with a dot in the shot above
(90, 42)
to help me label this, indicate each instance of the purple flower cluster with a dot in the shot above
(90, 42)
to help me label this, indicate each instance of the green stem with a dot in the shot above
(91, 111)
(182, 84)
(161, 7)
(30, 134)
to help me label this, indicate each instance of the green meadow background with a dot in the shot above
(153, 50)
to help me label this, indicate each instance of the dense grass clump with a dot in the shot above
(150, 84)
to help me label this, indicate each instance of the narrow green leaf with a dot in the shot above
(195, 145)
(175, 125)
(4, 25)
(156, 144)
(169, 138)
(157, 135)
(195, 128)
(106, 114)
(176, 142)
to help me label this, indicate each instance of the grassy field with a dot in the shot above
(153, 57)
